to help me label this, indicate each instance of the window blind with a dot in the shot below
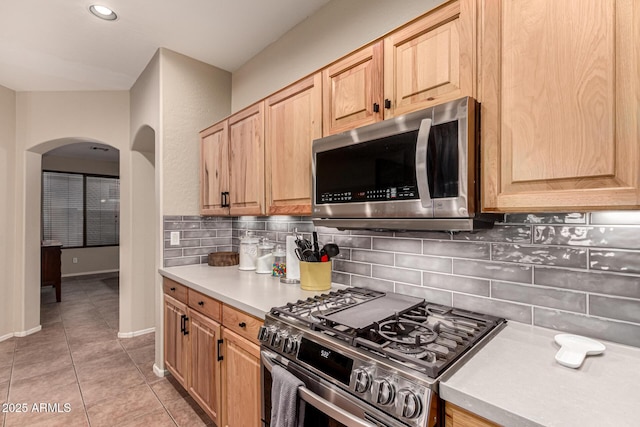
(80, 210)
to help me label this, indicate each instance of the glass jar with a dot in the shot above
(248, 252)
(264, 262)
(279, 268)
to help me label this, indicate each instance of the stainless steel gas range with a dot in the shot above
(369, 358)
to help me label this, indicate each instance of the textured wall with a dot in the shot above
(572, 272)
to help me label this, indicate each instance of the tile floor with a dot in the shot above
(78, 361)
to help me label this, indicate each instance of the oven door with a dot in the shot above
(326, 404)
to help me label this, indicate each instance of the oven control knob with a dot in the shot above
(362, 380)
(263, 334)
(409, 404)
(290, 345)
(383, 391)
(276, 339)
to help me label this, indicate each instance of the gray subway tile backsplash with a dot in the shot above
(540, 254)
(573, 272)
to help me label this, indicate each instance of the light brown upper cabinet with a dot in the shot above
(431, 60)
(232, 165)
(214, 170)
(294, 120)
(246, 164)
(352, 90)
(559, 86)
(428, 61)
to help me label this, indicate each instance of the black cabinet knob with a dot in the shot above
(173, 289)
(242, 325)
(201, 303)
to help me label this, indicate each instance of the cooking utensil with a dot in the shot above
(316, 248)
(331, 250)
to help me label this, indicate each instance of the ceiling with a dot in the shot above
(87, 150)
(58, 45)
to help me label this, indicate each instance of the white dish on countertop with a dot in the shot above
(574, 348)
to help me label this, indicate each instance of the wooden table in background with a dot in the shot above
(51, 265)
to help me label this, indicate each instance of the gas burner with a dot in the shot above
(407, 332)
(413, 351)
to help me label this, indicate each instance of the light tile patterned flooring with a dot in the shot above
(77, 359)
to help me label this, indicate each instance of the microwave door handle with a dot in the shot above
(422, 145)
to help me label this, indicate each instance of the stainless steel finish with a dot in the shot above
(383, 391)
(422, 146)
(409, 404)
(433, 224)
(455, 213)
(361, 380)
(329, 399)
(378, 368)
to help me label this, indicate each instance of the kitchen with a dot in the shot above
(576, 245)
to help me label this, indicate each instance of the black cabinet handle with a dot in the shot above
(242, 325)
(173, 289)
(182, 326)
(219, 351)
(224, 199)
(387, 104)
(185, 332)
(376, 107)
(200, 303)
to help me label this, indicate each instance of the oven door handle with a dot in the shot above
(323, 405)
(422, 146)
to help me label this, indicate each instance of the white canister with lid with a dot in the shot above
(248, 252)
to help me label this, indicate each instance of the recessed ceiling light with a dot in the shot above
(103, 12)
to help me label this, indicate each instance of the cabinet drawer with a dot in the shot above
(241, 323)
(175, 290)
(205, 305)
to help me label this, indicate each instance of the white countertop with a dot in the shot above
(245, 290)
(515, 381)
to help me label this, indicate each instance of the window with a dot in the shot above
(80, 210)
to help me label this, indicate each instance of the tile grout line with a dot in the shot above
(64, 327)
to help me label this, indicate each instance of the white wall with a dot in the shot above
(47, 120)
(194, 96)
(338, 28)
(173, 99)
(7, 194)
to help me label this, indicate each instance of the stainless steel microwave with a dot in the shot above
(419, 171)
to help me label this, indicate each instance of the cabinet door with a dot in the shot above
(352, 91)
(175, 342)
(458, 417)
(204, 368)
(214, 169)
(246, 132)
(294, 120)
(240, 381)
(559, 92)
(432, 59)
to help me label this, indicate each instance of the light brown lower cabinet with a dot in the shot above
(204, 369)
(191, 354)
(240, 381)
(458, 417)
(218, 363)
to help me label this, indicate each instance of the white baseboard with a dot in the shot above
(159, 372)
(29, 332)
(135, 333)
(6, 337)
(90, 273)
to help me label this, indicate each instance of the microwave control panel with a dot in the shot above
(378, 195)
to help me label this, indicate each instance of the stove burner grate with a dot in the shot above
(406, 332)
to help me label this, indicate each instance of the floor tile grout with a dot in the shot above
(79, 306)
